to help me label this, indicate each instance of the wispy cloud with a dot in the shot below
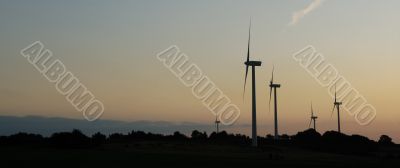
(296, 17)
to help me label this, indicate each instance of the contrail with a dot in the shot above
(301, 13)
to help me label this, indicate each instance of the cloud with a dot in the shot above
(296, 17)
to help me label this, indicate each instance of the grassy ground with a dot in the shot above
(182, 155)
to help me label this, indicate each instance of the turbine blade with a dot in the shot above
(245, 81)
(312, 111)
(270, 87)
(334, 104)
(309, 125)
(248, 44)
(270, 95)
(247, 61)
(272, 77)
(335, 92)
(333, 110)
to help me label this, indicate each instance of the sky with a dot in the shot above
(111, 48)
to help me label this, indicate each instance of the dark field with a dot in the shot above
(137, 148)
(184, 155)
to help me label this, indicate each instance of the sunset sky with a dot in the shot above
(111, 48)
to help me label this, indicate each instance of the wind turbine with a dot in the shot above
(273, 85)
(313, 118)
(217, 123)
(337, 105)
(253, 65)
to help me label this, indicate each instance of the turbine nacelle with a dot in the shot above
(216, 120)
(337, 103)
(253, 63)
(273, 85)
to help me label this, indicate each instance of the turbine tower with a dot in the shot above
(313, 118)
(273, 86)
(337, 105)
(253, 65)
(217, 123)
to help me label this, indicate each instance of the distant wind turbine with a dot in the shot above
(313, 118)
(217, 123)
(253, 64)
(273, 86)
(337, 105)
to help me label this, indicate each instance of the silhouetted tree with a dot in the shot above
(98, 138)
(219, 136)
(270, 137)
(178, 136)
(361, 144)
(116, 138)
(356, 144)
(196, 135)
(385, 140)
(138, 135)
(330, 141)
(284, 137)
(224, 138)
(24, 138)
(74, 139)
(307, 137)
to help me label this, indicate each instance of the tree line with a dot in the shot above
(331, 141)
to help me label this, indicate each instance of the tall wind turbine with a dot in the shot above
(253, 65)
(337, 105)
(217, 123)
(313, 118)
(273, 85)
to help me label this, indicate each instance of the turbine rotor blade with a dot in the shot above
(309, 125)
(270, 90)
(334, 104)
(245, 81)
(270, 95)
(335, 92)
(272, 77)
(247, 61)
(312, 111)
(248, 44)
(333, 110)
